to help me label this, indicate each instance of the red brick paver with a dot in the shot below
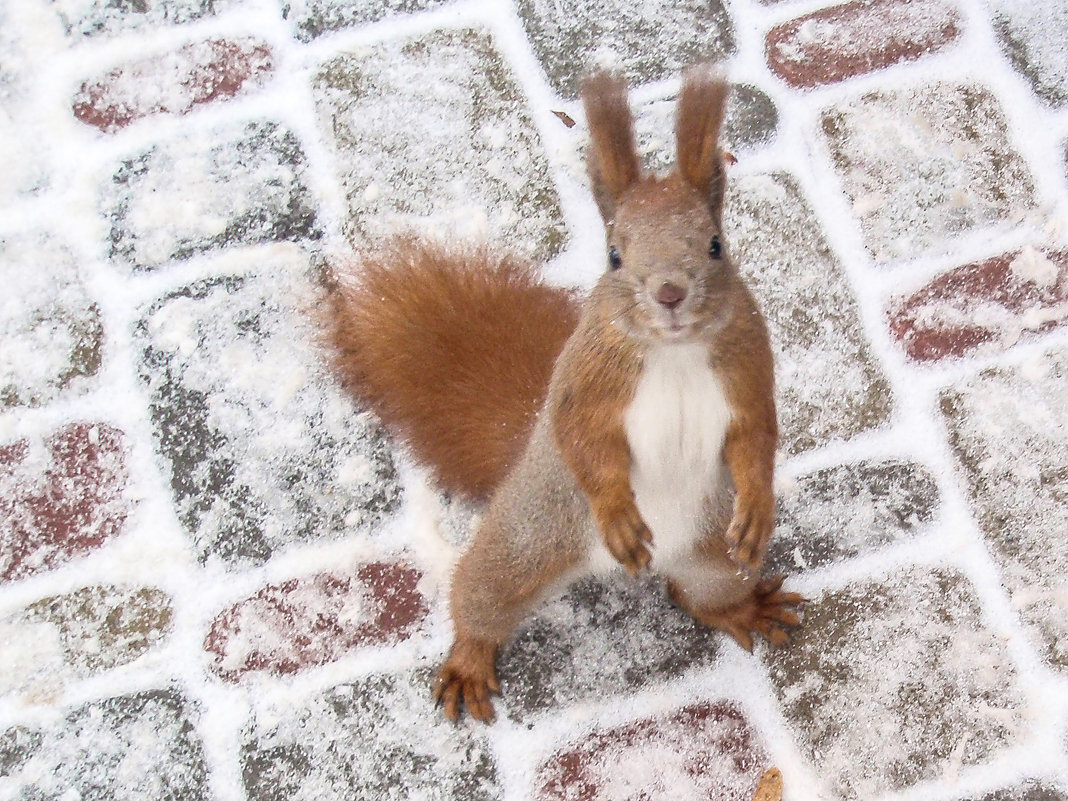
(61, 498)
(846, 40)
(988, 305)
(305, 622)
(174, 83)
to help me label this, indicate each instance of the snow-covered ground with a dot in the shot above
(219, 579)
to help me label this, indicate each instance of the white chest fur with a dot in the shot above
(676, 426)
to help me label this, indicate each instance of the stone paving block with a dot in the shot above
(17, 745)
(379, 738)
(62, 638)
(1032, 791)
(60, 497)
(984, 307)
(139, 747)
(313, 18)
(830, 385)
(244, 186)
(751, 120)
(173, 83)
(646, 42)
(707, 750)
(261, 447)
(1006, 428)
(925, 164)
(1032, 35)
(311, 621)
(848, 510)
(601, 639)
(459, 155)
(52, 340)
(890, 683)
(851, 39)
(101, 627)
(105, 17)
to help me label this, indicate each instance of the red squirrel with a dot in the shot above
(636, 426)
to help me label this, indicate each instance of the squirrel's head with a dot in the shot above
(668, 276)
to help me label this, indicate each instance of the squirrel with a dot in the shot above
(637, 422)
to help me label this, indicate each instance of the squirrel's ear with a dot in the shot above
(613, 158)
(698, 119)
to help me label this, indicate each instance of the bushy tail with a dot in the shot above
(453, 347)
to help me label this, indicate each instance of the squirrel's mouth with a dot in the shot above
(675, 330)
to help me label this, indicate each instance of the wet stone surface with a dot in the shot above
(378, 738)
(173, 83)
(829, 383)
(52, 341)
(139, 747)
(312, 18)
(644, 42)
(918, 668)
(187, 196)
(315, 620)
(61, 496)
(707, 750)
(407, 148)
(984, 307)
(600, 639)
(848, 510)
(258, 459)
(1032, 35)
(924, 165)
(1011, 456)
(850, 39)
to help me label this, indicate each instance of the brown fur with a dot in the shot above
(613, 158)
(419, 333)
(597, 381)
(456, 351)
(698, 119)
(748, 377)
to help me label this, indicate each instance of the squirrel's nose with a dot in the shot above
(670, 295)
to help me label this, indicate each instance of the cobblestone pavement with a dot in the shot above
(218, 579)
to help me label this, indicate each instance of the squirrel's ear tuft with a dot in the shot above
(698, 119)
(613, 158)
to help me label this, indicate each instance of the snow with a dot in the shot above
(1028, 26)
(163, 281)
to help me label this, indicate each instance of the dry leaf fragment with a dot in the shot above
(730, 158)
(770, 786)
(565, 119)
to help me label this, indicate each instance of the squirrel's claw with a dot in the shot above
(467, 679)
(765, 612)
(625, 535)
(750, 530)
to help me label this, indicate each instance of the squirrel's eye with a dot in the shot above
(715, 249)
(615, 261)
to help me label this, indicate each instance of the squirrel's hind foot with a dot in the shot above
(467, 678)
(767, 612)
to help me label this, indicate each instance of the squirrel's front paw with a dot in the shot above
(626, 535)
(750, 530)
